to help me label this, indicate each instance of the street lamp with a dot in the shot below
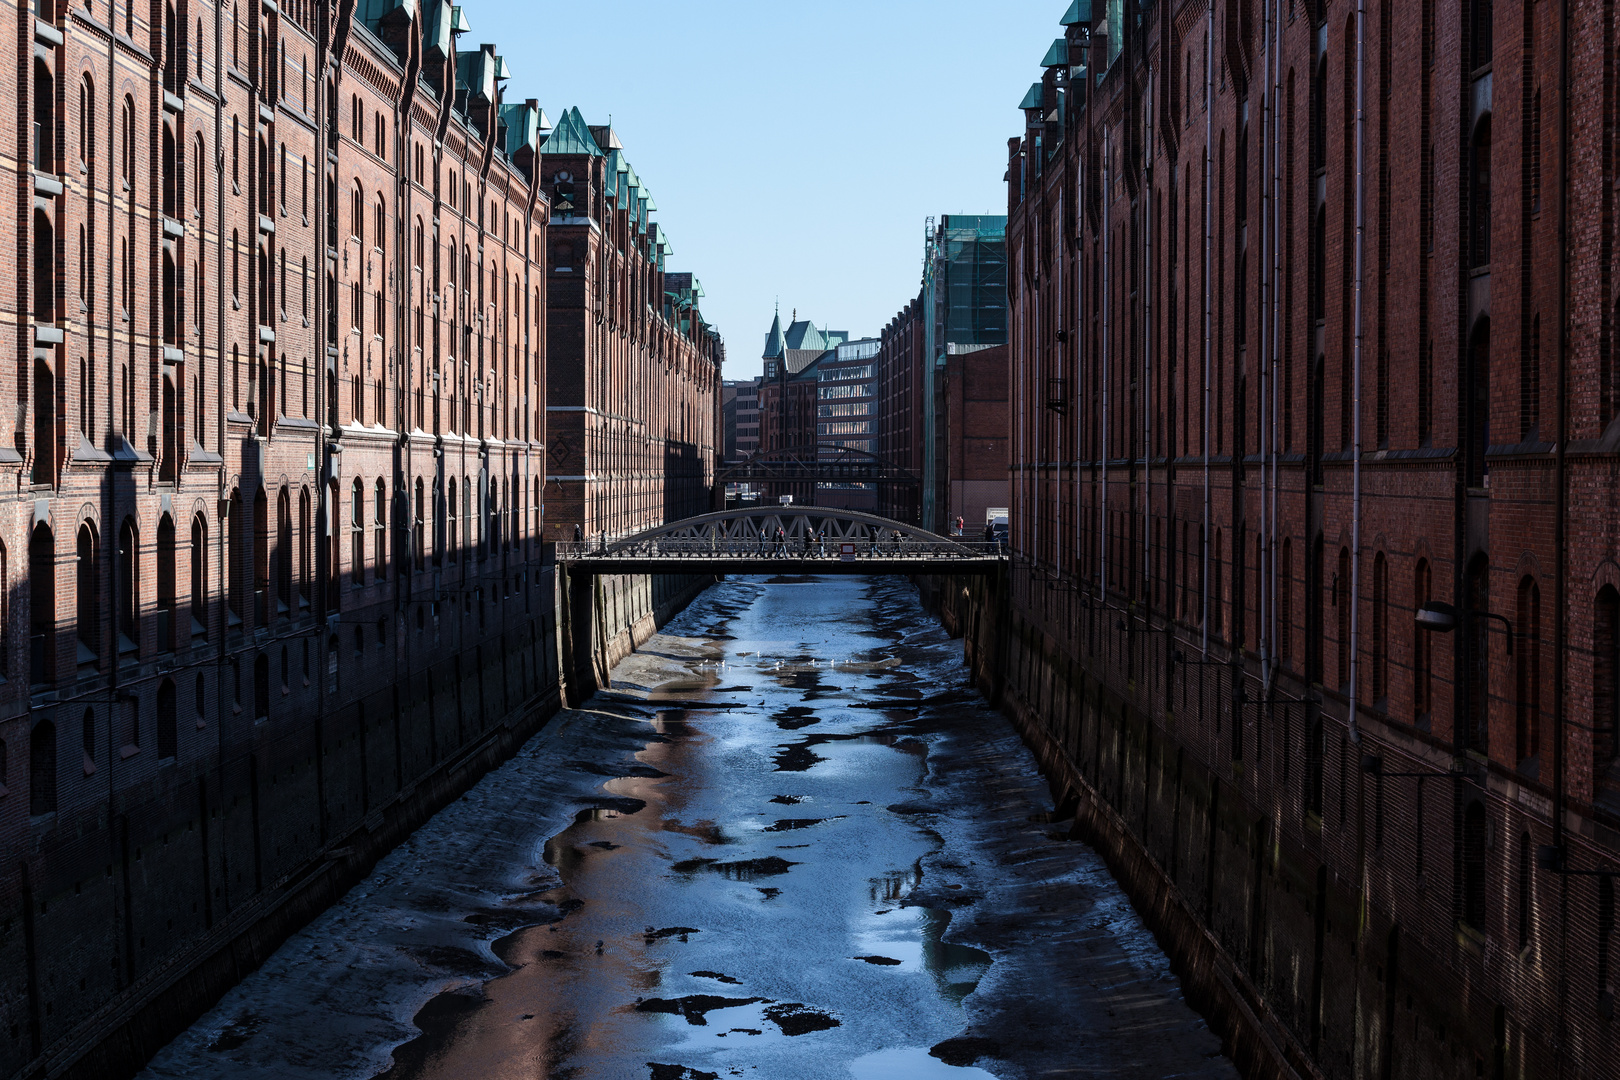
(1440, 618)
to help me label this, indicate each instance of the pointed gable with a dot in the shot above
(571, 136)
(773, 339)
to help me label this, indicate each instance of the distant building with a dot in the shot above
(901, 356)
(942, 407)
(739, 413)
(846, 415)
(633, 378)
(787, 391)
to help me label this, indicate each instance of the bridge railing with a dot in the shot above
(721, 547)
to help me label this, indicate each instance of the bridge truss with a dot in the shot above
(772, 540)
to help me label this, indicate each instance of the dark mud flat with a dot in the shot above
(627, 900)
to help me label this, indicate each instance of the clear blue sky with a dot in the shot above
(794, 149)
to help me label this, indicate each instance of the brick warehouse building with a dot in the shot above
(1267, 404)
(633, 390)
(275, 577)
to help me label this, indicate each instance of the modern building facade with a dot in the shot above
(1312, 323)
(633, 390)
(846, 417)
(943, 415)
(274, 548)
(740, 417)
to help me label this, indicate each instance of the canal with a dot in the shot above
(790, 841)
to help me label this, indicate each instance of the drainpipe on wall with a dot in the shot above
(1267, 284)
(1355, 504)
(1560, 529)
(1277, 274)
(1209, 244)
(1102, 448)
(1147, 348)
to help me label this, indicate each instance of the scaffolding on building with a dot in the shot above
(965, 307)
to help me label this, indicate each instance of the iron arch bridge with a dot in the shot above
(821, 463)
(782, 539)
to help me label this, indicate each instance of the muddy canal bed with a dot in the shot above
(789, 842)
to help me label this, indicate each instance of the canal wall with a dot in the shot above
(1272, 941)
(203, 873)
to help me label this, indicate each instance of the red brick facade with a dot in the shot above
(1225, 449)
(633, 386)
(900, 408)
(279, 325)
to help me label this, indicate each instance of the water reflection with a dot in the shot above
(706, 927)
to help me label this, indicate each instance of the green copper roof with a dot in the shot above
(502, 72)
(458, 21)
(376, 12)
(476, 72)
(773, 339)
(571, 136)
(1079, 14)
(436, 29)
(1057, 55)
(522, 127)
(1032, 100)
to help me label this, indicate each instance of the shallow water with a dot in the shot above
(779, 846)
(754, 913)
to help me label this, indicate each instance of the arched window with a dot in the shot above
(44, 268)
(261, 556)
(380, 234)
(450, 521)
(1380, 631)
(87, 735)
(420, 547)
(199, 578)
(44, 139)
(168, 727)
(284, 554)
(1285, 603)
(357, 535)
(357, 213)
(1479, 198)
(1527, 657)
(165, 585)
(87, 126)
(129, 584)
(1476, 642)
(88, 586)
(1341, 604)
(126, 149)
(1473, 866)
(236, 551)
(305, 534)
(1606, 685)
(379, 525)
(198, 159)
(171, 173)
(1422, 649)
(1480, 33)
(42, 769)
